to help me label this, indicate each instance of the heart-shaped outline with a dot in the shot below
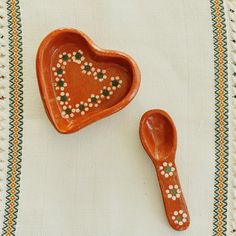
(63, 96)
(99, 53)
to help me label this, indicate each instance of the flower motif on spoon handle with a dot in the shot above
(173, 198)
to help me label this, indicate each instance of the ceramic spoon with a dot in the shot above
(158, 136)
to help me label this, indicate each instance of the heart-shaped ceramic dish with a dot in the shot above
(81, 83)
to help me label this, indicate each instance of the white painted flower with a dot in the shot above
(94, 100)
(78, 56)
(116, 82)
(59, 70)
(82, 107)
(173, 192)
(106, 92)
(100, 75)
(167, 169)
(67, 112)
(179, 217)
(87, 68)
(60, 84)
(64, 58)
(63, 98)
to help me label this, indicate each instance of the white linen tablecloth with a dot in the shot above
(99, 181)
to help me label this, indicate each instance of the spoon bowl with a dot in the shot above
(160, 135)
(159, 139)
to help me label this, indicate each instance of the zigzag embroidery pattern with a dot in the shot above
(15, 118)
(221, 119)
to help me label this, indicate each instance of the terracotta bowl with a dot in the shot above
(81, 83)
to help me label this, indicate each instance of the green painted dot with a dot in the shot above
(65, 57)
(100, 75)
(60, 83)
(115, 83)
(59, 71)
(173, 191)
(87, 68)
(168, 169)
(63, 98)
(179, 218)
(68, 111)
(105, 92)
(81, 107)
(78, 56)
(93, 99)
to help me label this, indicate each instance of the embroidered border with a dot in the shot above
(221, 118)
(15, 117)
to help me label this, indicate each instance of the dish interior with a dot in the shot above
(80, 81)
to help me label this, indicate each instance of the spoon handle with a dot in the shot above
(172, 194)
